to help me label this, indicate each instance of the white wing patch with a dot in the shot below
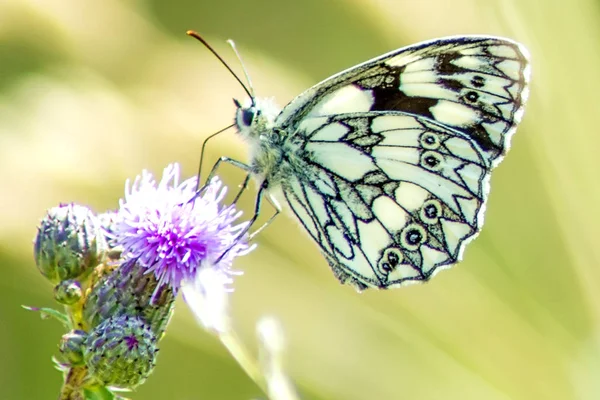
(391, 214)
(347, 99)
(393, 122)
(410, 196)
(310, 125)
(332, 155)
(454, 114)
(331, 133)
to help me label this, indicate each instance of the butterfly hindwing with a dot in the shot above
(389, 198)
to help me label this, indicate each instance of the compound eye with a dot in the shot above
(248, 116)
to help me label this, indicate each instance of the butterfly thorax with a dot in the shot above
(268, 143)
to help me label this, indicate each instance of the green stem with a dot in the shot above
(242, 356)
(72, 388)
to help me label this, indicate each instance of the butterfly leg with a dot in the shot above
(243, 187)
(235, 163)
(275, 204)
(257, 208)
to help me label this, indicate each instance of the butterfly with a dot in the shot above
(387, 164)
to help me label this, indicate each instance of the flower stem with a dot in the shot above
(72, 388)
(242, 356)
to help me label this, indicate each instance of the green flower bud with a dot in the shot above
(128, 290)
(121, 352)
(72, 345)
(68, 292)
(69, 243)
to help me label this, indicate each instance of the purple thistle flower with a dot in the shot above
(176, 234)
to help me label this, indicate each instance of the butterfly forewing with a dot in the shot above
(474, 84)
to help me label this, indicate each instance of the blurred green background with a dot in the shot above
(92, 92)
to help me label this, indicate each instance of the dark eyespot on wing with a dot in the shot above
(478, 81)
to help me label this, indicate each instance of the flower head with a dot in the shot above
(121, 351)
(174, 232)
(69, 243)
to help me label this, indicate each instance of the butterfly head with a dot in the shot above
(255, 117)
(245, 115)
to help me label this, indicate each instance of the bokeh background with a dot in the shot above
(92, 92)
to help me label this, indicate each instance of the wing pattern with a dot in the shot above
(390, 199)
(477, 85)
(388, 163)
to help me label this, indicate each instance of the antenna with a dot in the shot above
(201, 40)
(232, 44)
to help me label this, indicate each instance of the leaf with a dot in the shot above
(47, 313)
(101, 393)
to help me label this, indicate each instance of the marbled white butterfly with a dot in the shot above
(387, 164)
